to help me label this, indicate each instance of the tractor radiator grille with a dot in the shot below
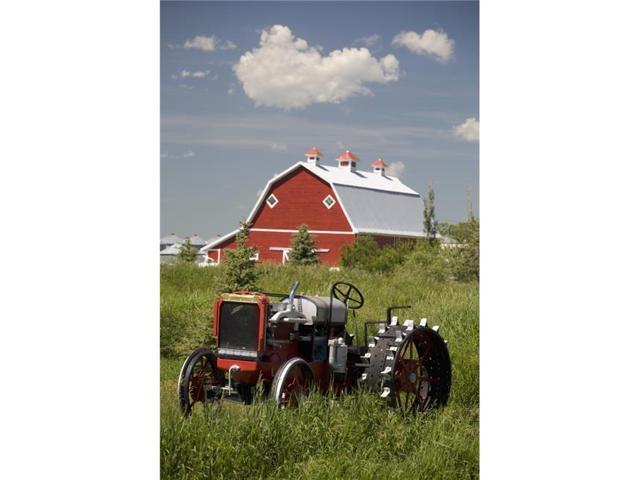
(238, 329)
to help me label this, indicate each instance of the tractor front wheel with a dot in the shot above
(292, 383)
(199, 380)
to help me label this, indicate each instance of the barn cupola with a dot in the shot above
(379, 166)
(313, 156)
(347, 161)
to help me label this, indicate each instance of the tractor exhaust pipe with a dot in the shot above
(292, 293)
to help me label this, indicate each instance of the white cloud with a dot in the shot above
(194, 74)
(228, 45)
(368, 41)
(278, 147)
(285, 72)
(396, 169)
(208, 44)
(185, 86)
(469, 130)
(201, 42)
(189, 154)
(231, 91)
(430, 42)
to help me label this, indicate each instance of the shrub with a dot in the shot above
(431, 261)
(365, 253)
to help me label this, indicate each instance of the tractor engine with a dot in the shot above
(257, 333)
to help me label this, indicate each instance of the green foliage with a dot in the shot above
(346, 437)
(187, 253)
(187, 297)
(238, 267)
(365, 253)
(303, 248)
(429, 220)
(431, 261)
(437, 262)
(466, 259)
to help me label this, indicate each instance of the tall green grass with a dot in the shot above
(353, 437)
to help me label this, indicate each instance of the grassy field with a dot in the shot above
(354, 437)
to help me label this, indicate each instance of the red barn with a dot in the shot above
(336, 203)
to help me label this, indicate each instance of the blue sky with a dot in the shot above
(227, 126)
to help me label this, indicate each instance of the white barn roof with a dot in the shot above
(197, 241)
(377, 211)
(171, 239)
(359, 178)
(171, 250)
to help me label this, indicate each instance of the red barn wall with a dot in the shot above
(264, 240)
(300, 195)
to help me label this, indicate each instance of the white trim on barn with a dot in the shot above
(329, 201)
(218, 240)
(285, 252)
(275, 201)
(266, 189)
(282, 230)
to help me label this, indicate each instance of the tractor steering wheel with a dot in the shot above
(348, 294)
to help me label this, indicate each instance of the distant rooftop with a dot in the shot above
(171, 239)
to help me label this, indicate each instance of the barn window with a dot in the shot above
(329, 201)
(272, 200)
(255, 257)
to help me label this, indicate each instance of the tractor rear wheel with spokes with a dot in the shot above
(420, 373)
(199, 380)
(410, 366)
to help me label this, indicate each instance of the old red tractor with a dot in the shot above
(291, 343)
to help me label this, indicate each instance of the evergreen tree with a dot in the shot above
(239, 270)
(302, 248)
(187, 253)
(429, 221)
